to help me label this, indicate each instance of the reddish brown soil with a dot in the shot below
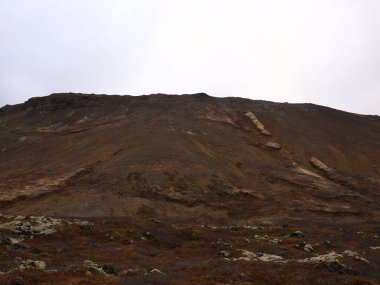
(188, 161)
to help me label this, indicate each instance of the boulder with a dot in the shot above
(273, 145)
(85, 225)
(297, 234)
(308, 247)
(93, 267)
(155, 271)
(109, 268)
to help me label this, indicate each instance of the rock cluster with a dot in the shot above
(326, 258)
(264, 257)
(32, 226)
(37, 264)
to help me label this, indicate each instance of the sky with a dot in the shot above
(325, 52)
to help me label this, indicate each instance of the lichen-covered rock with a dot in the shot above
(355, 255)
(269, 257)
(264, 257)
(36, 264)
(93, 267)
(326, 258)
(32, 226)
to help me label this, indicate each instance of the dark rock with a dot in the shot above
(86, 226)
(18, 281)
(109, 268)
(35, 250)
(340, 268)
(301, 245)
(234, 228)
(127, 241)
(9, 240)
(283, 253)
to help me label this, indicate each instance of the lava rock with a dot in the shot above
(109, 268)
(85, 225)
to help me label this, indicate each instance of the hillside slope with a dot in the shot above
(92, 155)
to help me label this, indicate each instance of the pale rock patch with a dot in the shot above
(257, 123)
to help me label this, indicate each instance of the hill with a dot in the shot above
(199, 171)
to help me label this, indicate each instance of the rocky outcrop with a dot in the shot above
(210, 114)
(320, 165)
(259, 126)
(304, 171)
(333, 262)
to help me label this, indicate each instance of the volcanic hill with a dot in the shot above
(210, 190)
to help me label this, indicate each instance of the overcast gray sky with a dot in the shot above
(321, 51)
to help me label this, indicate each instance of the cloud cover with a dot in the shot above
(320, 51)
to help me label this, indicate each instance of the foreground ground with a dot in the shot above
(39, 250)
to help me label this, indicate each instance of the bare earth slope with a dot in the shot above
(193, 160)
